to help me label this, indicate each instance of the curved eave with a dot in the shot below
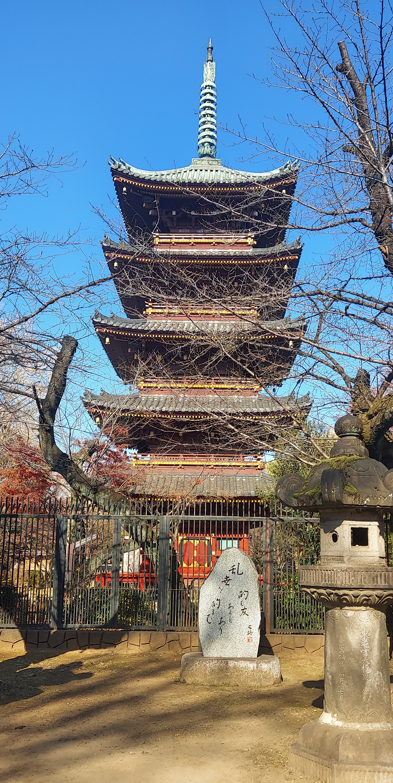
(241, 336)
(201, 176)
(122, 417)
(253, 256)
(143, 328)
(123, 335)
(281, 260)
(188, 406)
(114, 350)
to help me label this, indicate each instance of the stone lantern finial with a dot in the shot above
(349, 432)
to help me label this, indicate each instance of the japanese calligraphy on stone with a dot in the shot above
(229, 608)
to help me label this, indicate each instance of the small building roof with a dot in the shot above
(203, 485)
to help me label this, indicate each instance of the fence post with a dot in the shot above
(268, 587)
(163, 573)
(56, 614)
(115, 574)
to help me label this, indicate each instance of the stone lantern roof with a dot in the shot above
(348, 478)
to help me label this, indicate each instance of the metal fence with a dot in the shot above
(142, 566)
(27, 549)
(294, 541)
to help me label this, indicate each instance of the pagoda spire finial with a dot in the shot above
(207, 131)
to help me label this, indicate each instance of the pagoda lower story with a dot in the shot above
(195, 444)
(204, 279)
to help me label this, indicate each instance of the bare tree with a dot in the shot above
(33, 286)
(341, 66)
(37, 296)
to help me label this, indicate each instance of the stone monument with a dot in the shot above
(229, 608)
(229, 628)
(352, 742)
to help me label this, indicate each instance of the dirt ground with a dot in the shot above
(99, 716)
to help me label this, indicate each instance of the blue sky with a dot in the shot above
(122, 78)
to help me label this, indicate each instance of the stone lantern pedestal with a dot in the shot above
(353, 738)
(352, 741)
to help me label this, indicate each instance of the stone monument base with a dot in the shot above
(259, 672)
(336, 754)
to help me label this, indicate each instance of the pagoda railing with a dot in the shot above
(238, 241)
(224, 384)
(158, 310)
(200, 460)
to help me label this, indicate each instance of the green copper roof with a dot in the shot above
(204, 171)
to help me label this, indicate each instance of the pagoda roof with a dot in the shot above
(203, 485)
(204, 171)
(186, 326)
(156, 254)
(138, 403)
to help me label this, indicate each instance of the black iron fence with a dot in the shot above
(142, 566)
(27, 551)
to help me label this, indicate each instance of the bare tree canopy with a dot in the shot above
(39, 294)
(337, 58)
(36, 295)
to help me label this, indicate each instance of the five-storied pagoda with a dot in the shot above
(199, 339)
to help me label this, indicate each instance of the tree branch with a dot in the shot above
(83, 485)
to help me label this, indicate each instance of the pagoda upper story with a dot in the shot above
(204, 279)
(206, 198)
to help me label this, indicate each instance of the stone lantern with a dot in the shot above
(353, 739)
